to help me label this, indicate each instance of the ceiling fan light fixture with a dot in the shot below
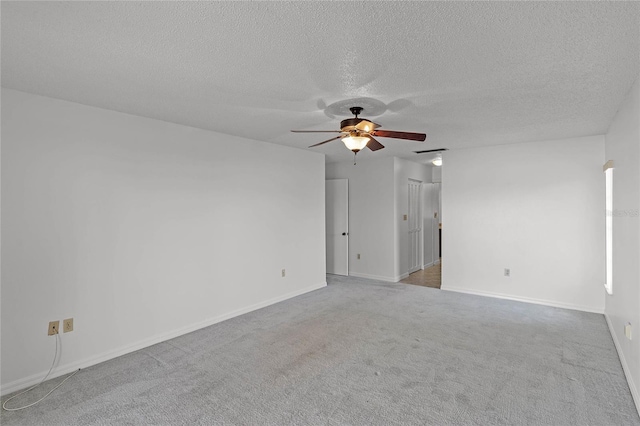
(355, 143)
(437, 162)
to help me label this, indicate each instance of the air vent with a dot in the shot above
(431, 150)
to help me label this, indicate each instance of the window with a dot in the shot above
(608, 176)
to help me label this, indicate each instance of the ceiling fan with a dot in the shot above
(356, 133)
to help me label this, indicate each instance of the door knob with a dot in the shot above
(344, 233)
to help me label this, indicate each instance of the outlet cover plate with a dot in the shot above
(67, 325)
(627, 330)
(54, 328)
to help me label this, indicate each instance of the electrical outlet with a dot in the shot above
(54, 328)
(358, 256)
(67, 325)
(507, 272)
(284, 272)
(404, 217)
(627, 330)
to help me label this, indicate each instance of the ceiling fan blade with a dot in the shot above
(366, 126)
(374, 145)
(323, 142)
(400, 135)
(316, 131)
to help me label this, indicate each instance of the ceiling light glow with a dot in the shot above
(355, 143)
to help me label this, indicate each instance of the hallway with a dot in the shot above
(429, 277)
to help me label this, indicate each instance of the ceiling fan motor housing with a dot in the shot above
(350, 124)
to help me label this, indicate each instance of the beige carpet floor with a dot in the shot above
(429, 277)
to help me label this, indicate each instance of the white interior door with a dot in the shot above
(337, 226)
(415, 226)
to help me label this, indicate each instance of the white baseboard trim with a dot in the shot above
(625, 367)
(402, 276)
(375, 277)
(437, 262)
(428, 265)
(527, 300)
(61, 370)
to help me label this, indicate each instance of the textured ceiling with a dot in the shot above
(465, 73)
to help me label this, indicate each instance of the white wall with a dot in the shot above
(622, 145)
(536, 208)
(371, 215)
(142, 230)
(436, 174)
(403, 171)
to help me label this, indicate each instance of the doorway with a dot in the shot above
(337, 226)
(429, 275)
